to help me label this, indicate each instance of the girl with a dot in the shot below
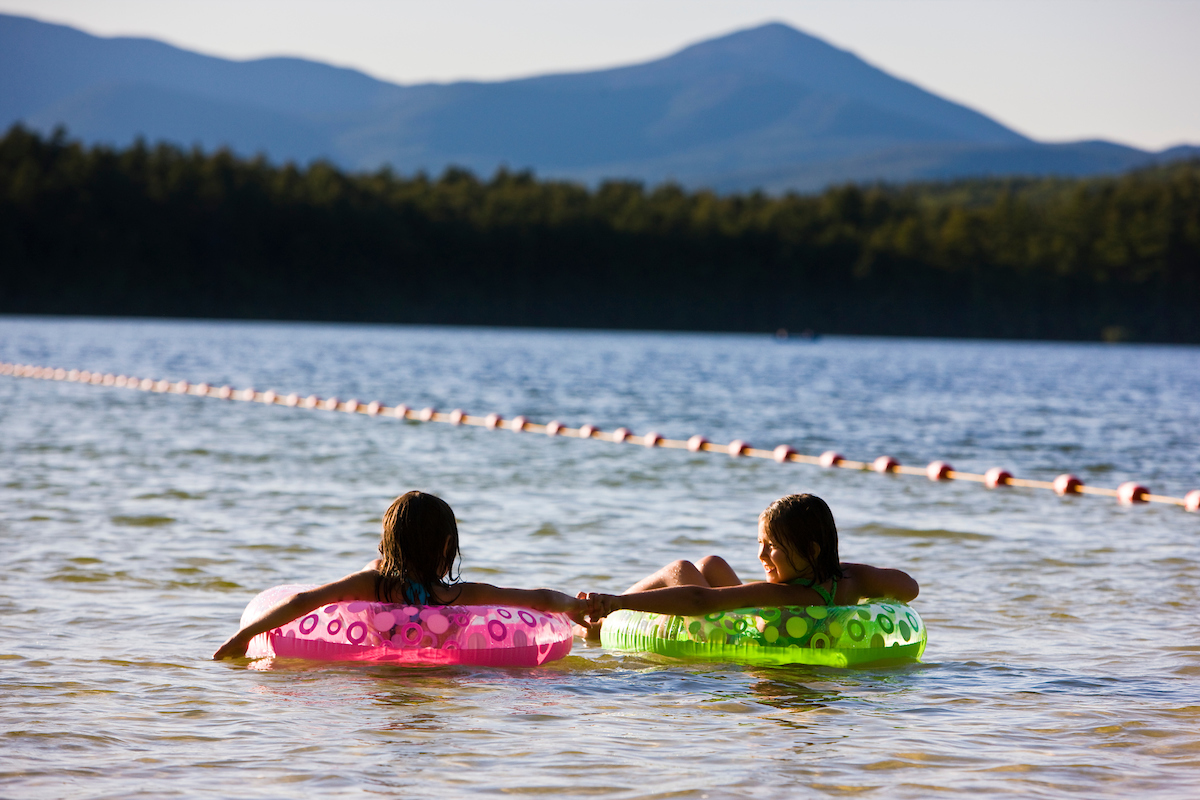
(798, 548)
(417, 551)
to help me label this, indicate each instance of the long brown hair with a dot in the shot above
(418, 547)
(799, 521)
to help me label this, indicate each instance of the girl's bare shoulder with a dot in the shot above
(866, 582)
(469, 593)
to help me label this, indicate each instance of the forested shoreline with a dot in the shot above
(159, 231)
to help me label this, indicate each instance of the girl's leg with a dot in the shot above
(717, 572)
(709, 571)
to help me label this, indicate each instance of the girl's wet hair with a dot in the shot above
(799, 521)
(418, 547)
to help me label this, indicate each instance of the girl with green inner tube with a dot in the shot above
(798, 548)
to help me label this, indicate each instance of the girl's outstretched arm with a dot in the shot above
(484, 594)
(356, 586)
(690, 601)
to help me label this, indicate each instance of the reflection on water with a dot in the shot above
(1062, 658)
(788, 692)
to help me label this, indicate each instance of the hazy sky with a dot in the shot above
(1124, 70)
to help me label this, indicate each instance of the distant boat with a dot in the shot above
(806, 335)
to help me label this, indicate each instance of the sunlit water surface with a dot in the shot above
(1063, 659)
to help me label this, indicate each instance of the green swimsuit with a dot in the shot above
(807, 583)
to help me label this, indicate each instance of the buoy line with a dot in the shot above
(1128, 493)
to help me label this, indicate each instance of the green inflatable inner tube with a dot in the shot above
(832, 636)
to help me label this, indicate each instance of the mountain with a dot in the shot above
(769, 108)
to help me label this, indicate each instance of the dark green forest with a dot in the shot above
(160, 231)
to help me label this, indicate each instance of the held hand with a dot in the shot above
(601, 605)
(593, 613)
(587, 609)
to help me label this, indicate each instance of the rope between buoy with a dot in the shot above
(1128, 493)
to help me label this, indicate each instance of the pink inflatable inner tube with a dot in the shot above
(408, 634)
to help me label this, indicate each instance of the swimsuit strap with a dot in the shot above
(827, 596)
(416, 594)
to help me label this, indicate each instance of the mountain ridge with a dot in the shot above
(766, 108)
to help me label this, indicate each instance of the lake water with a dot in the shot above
(1064, 633)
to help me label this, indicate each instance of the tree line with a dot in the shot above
(162, 231)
